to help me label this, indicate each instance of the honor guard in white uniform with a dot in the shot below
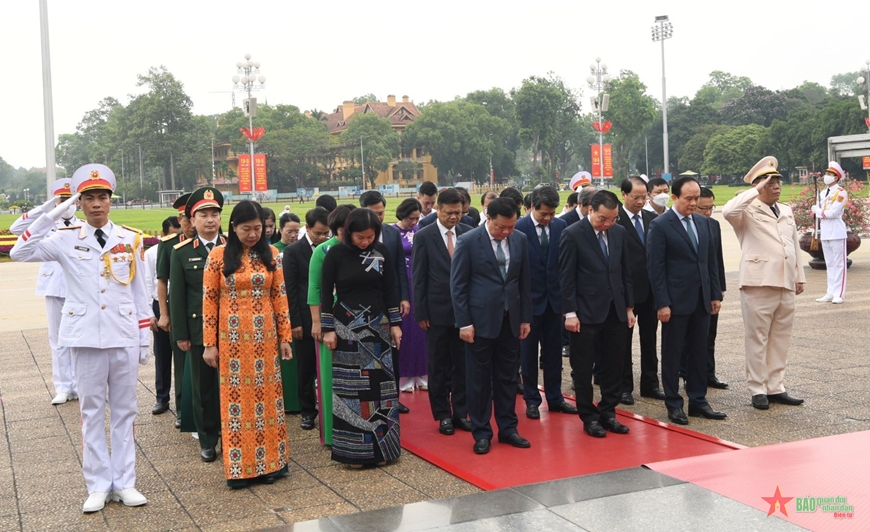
(829, 212)
(105, 321)
(51, 284)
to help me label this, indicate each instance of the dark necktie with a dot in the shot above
(101, 237)
(775, 210)
(603, 245)
(638, 227)
(67, 223)
(545, 241)
(502, 260)
(694, 238)
(209, 246)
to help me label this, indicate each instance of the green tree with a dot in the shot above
(538, 102)
(692, 157)
(733, 150)
(380, 143)
(365, 98)
(758, 105)
(631, 111)
(844, 84)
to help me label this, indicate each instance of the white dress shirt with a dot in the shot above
(443, 230)
(151, 271)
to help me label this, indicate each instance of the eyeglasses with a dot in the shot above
(637, 197)
(319, 234)
(710, 209)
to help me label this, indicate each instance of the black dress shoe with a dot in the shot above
(677, 416)
(594, 429)
(760, 402)
(160, 408)
(462, 423)
(515, 440)
(614, 426)
(481, 447)
(714, 382)
(657, 393)
(532, 412)
(403, 409)
(785, 399)
(566, 351)
(565, 408)
(445, 427)
(307, 422)
(626, 399)
(520, 389)
(208, 455)
(178, 423)
(707, 412)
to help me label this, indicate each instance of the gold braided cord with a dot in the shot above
(107, 259)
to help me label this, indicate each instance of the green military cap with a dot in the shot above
(181, 204)
(204, 198)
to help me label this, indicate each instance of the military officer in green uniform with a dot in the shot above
(164, 252)
(185, 309)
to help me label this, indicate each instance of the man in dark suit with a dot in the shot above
(685, 278)
(466, 219)
(374, 200)
(597, 302)
(543, 232)
(491, 293)
(636, 222)
(296, 258)
(433, 251)
(706, 206)
(584, 199)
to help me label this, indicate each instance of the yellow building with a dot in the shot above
(400, 114)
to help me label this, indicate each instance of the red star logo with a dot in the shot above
(777, 500)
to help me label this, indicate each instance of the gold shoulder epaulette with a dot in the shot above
(131, 229)
(182, 244)
(167, 238)
(68, 227)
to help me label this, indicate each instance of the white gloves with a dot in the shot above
(144, 354)
(817, 210)
(58, 212)
(49, 205)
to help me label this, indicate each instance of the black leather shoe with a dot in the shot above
(481, 447)
(403, 409)
(613, 425)
(655, 394)
(565, 408)
(307, 422)
(178, 423)
(520, 389)
(160, 408)
(566, 351)
(532, 412)
(626, 399)
(445, 427)
(707, 412)
(208, 455)
(594, 429)
(760, 402)
(714, 382)
(515, 440)
(678, 416)
(462, 424)
(784, 399)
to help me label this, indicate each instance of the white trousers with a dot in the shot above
(835, 262)
(61, 364)
(768, 316)
(116, 369)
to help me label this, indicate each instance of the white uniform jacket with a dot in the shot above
(106, 302)
(831, 205)
(771, 252)
(50, 281)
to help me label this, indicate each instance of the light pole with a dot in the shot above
(244, 81)
(865, 104)
(362, 163)
(598, 80)
(26, 194)
(663, 31)
(47, 102)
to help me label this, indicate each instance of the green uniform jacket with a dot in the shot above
(164, 252)
(185, 299)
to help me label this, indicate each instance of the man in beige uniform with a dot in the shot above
(771, 274)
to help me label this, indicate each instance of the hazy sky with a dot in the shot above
(317, 54)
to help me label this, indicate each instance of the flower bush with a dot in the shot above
(856, 214)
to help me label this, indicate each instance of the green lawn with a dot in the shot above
(150, 220)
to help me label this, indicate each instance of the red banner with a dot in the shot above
(866, 161)
(244, 174)
(260, 182)
(596, 161)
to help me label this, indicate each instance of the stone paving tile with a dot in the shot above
(318, 512)
(296, 499)
(64, 518)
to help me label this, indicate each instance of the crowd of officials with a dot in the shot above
(335, 316)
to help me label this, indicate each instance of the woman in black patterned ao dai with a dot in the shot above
(364, 323)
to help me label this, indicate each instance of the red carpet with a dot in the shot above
(836, 466)
(560, 448)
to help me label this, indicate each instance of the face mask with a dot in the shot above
(70, 212)
(829, 180)
(661, 199)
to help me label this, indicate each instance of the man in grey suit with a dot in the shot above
(433, 250)
(597, 299)
(684, 274)
(492, 301)
(374, 200)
